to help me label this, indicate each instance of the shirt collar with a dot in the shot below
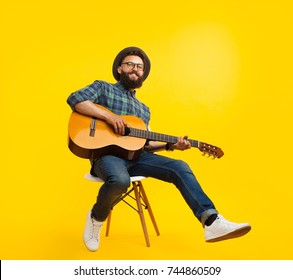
(120, 86)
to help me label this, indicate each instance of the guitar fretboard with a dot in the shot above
(158, 136)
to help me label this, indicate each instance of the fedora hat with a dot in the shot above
(131, 51)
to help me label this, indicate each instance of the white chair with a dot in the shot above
(141, 201)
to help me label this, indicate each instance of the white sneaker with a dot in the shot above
(221, 229)
(91, 235)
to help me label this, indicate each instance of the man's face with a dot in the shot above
(131, 71)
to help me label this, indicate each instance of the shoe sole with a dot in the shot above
(234, 234)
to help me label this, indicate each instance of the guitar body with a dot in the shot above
(91, 138)
(90, 143)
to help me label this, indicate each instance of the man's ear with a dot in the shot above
(119, 69)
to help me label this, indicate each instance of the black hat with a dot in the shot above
(131, 51)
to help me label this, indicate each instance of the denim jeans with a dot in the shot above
(116, 173)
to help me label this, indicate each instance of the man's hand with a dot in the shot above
(117, 122)
(90, 109)
(182, 144)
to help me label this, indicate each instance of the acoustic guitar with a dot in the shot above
(89, 138)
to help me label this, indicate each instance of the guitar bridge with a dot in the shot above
(93, 127)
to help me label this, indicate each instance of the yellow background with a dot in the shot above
(221, 73)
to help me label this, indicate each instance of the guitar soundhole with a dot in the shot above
(127, 131)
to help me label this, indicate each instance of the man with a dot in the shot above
(130, 68)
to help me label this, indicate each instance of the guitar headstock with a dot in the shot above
(210, 150)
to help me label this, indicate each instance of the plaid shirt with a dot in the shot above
(114, 97)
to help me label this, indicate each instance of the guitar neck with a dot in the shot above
(139, 133)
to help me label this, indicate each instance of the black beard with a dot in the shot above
(128, 83)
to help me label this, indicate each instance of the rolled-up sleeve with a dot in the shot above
(90, 92)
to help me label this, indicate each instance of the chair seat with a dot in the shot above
(92, 178)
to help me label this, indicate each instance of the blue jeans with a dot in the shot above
(116, 173)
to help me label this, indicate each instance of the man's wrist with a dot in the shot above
(168, 147)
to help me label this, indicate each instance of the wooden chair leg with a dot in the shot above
(140, 193)
(140, 212)
(148, 207)
(108, 223)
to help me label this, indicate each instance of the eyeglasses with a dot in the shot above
(131, 65)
